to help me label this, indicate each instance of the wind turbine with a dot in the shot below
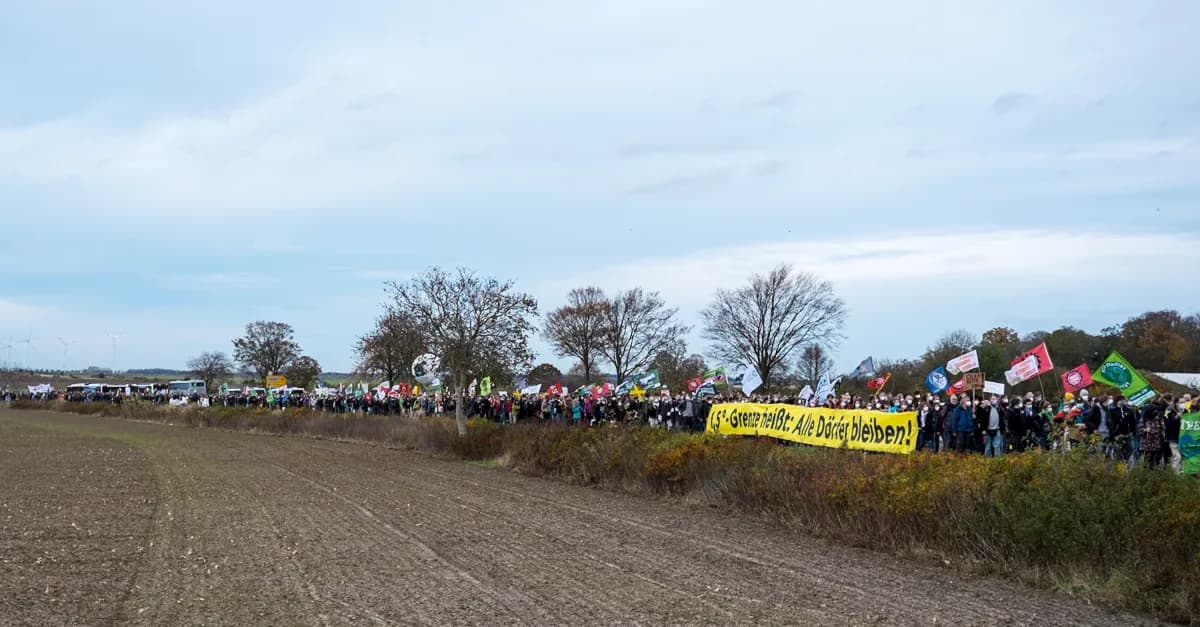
(8, 364)
(29, 349)
(66, 344)
(114, 338)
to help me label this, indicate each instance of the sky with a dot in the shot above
(172, 171)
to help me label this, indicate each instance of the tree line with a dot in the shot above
(784, 323)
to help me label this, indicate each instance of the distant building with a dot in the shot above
(1186, 379)
(97, 371)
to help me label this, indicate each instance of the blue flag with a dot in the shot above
(864, 369)
(937, 381)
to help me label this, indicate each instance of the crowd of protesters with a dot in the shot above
(990, 425)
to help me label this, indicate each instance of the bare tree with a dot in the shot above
(267, 348)
(471, 322)
(577, 328)
(637, 326)
(814, 364)
(210, 366)
(763, 323)
(303, 371)
(390, 348)
(675, 366)
(948, 347)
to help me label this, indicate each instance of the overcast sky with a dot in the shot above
(172, 171)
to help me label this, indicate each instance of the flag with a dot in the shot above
(1119, 373)
(555, 390)
(864, 369)
(648, 380)
(416, 390)
(1076, 378)
(825, 388)
(638, 392)
(751, 380)
(708, 389)
(963, 363)
(878, 382)
(958, 388)
(1041, 356)
(471, 388)
(715, 375)
(694, 384)
(531, 389)
(485, 386)
(806, 393)
(1023, 370)
(626, 386)
(937, 381)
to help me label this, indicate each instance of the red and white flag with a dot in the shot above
(1041, 356)
(1077, 378)
(963, 363)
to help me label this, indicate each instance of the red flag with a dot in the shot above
(404, 389)
(694, 384)
(958, 388)
(876, 383)
(1043, 358)
(1077, 378)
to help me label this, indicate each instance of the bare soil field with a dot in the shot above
(104, 521)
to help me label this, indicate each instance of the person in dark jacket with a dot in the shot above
(1015, 422)
(1173, 421)
(1153, 432)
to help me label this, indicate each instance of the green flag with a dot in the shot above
(1189, 443)
(485, 386)
(1119, 373)
(715, 375)
(648, 381)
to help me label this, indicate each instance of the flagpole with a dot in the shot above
(883, 385)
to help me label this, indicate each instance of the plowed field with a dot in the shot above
(105, 521)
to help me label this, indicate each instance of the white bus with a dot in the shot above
(186, 388)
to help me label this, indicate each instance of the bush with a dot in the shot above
(1078, 523)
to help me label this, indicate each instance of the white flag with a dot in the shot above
(963, 363)
(751, 380)
(1024, 370)
(806, 393)
(825, 388)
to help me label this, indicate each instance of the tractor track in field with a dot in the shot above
(210, 526)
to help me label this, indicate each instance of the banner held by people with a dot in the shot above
(818, 426)
(993, 387)
(1189, 443)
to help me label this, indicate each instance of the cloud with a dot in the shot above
(1007, 103)
(779, 100)
(1000, 259)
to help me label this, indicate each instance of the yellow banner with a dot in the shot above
(819, 426)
